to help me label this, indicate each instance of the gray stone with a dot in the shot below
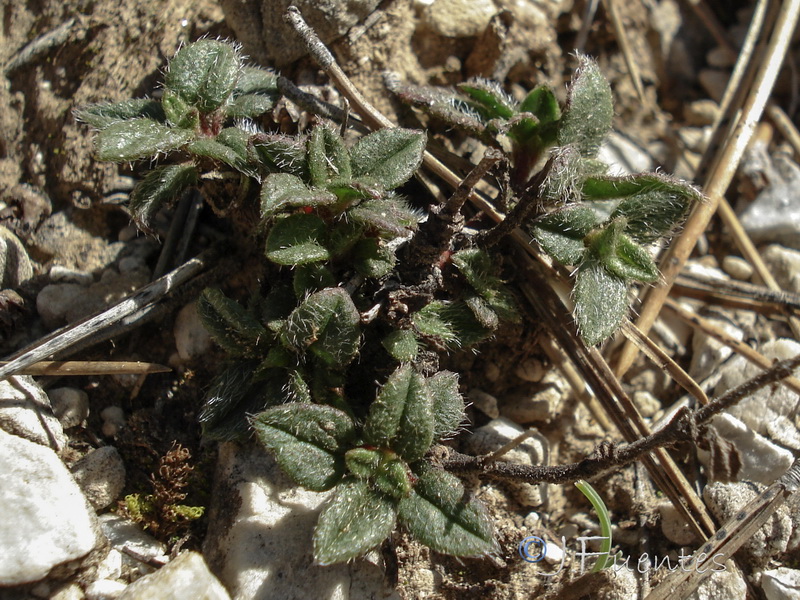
(54, 301)
(700, 112)
(15, 266)
(532, 451)
(70, 405)
(784, 264)
(25, 411)
(762, 408)
(674, 525)
(185, 578)
(107, 589)
(761, 460)
(781, 584)
(126, 536)
(191, 338)
(101, 476)
(486, 403)
(259, 25)
(774, 216)
(726, 499)
(721, 584)
(45, 520)
(707, 352)
(530, 370)
(737, 267)
(259, 536)
(59, 274)
(113, 420)
(472, 17)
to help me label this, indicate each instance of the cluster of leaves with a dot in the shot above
(333, 224)
(598, 223)
(207, 88)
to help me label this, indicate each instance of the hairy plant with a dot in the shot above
(339, 311)
(582, 217)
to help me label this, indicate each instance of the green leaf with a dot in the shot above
(492, 101)
(159, 186)
(476, 266)
(179, 113)
(255, 93)
(229, 323)
(431, 321)
(326, 323)
(561, 232)
(589, 111)
(656, 213)
(204, 74)
(235, 395)
(390, 216)
(308, 441)
(297, 240)
(282, 190)
(104, 114)
(388, 157)
(311, 278)
(448, 404)
(401, 417)
(279, 153)
(619, 254)
(382, 468)
(328, 158)
(601, 302)
(298, 390)
(229, 147)
(440, 514)
(356, 520)
(564, 177)
(372, 258)
(402, 345)
(542, 102)
(139, 138)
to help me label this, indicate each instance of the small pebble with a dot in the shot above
(737, 267)
(720, 58)
(106, 589)
(647, 404)
(530, 370)
(113, 420)
(101, 476)
(191, 338)
(59, 274)
(700, 113)
(486, 403)
(70, 405)
(491, 371)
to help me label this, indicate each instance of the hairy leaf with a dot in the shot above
(561, 232)
(229, 323)
(328, 158)
(327, 323)
(389, 216)
(255, 93)
(372, 258)
(104, 114)
(311, 278)
(448, 405)
(401, 417)
(601, 302)
(382, 468)
(388, 157)
(282, 190)
(297, 240)
(229, 147)
(308, 440)
(490, 99)
(159, 186)
(356, 520)
(443, 104)
(204, 73)
(279, 153)
(139, 138)
(402, 345)
(440, 514)
(587, 117)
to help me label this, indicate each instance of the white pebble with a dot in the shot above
(70, 405)
(737, 267)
